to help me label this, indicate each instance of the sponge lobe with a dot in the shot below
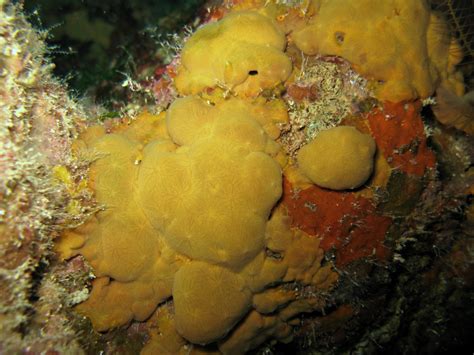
(209, 300)
(211, 197)
(400, 44)
(339, 158)
(243, 52)
(203, 200)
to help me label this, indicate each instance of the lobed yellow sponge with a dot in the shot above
(192, 197)
(187, 198)
(244, 52)
(134, 269)
(222, 172)
(338, 158)
(404, 48)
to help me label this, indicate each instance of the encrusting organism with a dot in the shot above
(265, 200)
(38, 123)
(203, 205)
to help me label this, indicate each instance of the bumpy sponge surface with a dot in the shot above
(187, 198)
(221, 174)
(242, 52)
(196, 211)
(399, 44)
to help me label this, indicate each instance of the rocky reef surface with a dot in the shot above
(299, 179)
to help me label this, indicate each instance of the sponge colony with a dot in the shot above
(339, 158)
(229, 53)
(401, 45)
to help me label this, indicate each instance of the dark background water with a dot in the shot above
(94, 42)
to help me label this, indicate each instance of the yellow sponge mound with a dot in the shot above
(191, 232)
(187, 196)
(211, 198)
(209, 300)
(242, 52)
(399, 44)
(133, 274)
(339, 158)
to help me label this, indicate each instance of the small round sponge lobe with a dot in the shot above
(339, 158)
(209, 300)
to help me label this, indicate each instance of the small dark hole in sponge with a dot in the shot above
(253, 72)
(339, 37)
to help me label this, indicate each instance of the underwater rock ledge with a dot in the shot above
(221, 218)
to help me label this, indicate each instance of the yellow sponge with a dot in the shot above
(209, 300)
(339, 158)
(243, 52)
(211, 197)
(398, 44)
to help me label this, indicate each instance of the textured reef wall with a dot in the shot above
(37, 125)
(289, 191)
